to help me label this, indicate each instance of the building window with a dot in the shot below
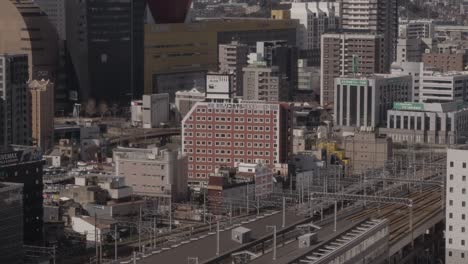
(451, 164)
(450, 241)
(462, 255)
(450, 253)
(464, 165)
(463, 242)
(451, 176)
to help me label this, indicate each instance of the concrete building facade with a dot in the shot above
(367, 151)
(232, 58)
(432, 123)
(219, 134)
(416, 29)
(408, 50)
(315, 18)
(42, 113)
(456, 248)
(264, 83)
(364, 101)
(440, 87)
(446, 62)
(154, 172)
(375, 17)
(338, 52)
(415, 70)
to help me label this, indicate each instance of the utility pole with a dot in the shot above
(334, 222)
(96, 237)
(274, 240)
(53, 255)
(258, 206)
(155, 232)
(170, 214)
(217, 238)
(115, 243)
(284, 213)
(139, 231)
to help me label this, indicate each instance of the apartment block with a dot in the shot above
(363, 101)
(375, 17)
(232, 58)
(264, 83)
(416, 29)
(456, 236)
(347, 53)
(218, 135)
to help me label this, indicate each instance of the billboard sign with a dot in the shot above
(354, 82)
(408, 106)
(218, 86)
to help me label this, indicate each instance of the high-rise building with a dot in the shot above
(278, 53)
(55, 11)
(264, 83)
(24, 165)
(217, 135)
(15, 111)
(42, 113)
(363, 101)
(456, 236)
(11, 236)
(315, 18)
(376, 17)
(349, 53)
(232, 58)
(25, 29)
(105, 41)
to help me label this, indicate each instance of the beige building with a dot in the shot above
(42, 113)
(338, 52)
(24, 28)
(154, 172)
(446, 62)
(232, 58)
(264, 83)
(367, 151)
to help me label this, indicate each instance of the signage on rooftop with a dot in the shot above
(408, 106)
(356, 82)
(241, 106)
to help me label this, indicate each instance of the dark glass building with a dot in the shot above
(169, 11)
(24, 165)
(105, 42)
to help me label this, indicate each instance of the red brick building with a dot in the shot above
(218, 135)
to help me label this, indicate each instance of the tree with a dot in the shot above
(90, 108)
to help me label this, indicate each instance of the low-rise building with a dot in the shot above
(151, 112)
(363, 101)
(437, 87)
(446, 62)
(156, 172)
(433, 123)
(367, 150)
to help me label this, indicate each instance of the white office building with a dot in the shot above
(415, 69)
(456, 224)
(409, 50)
(432, 123)
(363, 101)
(151, 112)
(443, 87)
(315, 18)
(416, 29)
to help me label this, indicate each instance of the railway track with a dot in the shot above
(425, 203)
